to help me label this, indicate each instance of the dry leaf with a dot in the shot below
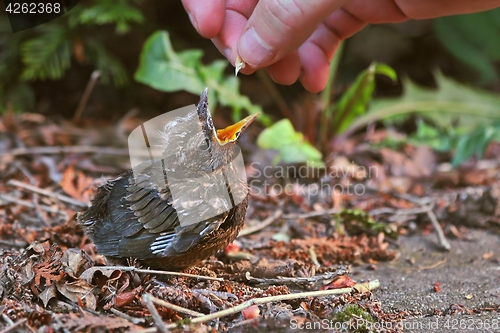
(77, 291)
(48, 294)
(251, 313)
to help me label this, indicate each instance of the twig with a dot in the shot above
(368, 286)
(439, 263)
(48, 193)
(421, 201)
(5, 243)
(298, 280)
(133, 320)
(86, 94)
(16, 324)
(314, 256)
(360, 287)
(7, 319)
(269, 220)
(440, 234)
(174, 307)
(275, 94)
(427, 205)
(68, 150)
(313, 214)
(29, 204)
(408, 211)
(32, 181)
(245, 322)
(151, 271)
(146, 298)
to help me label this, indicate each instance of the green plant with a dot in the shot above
(335, 118)
(164, 69)
(46, 52)
(473, 39)
(291, 145)
(463, 119)
(355, 313)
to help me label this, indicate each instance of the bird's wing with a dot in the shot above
(135, 216)
(155, 228)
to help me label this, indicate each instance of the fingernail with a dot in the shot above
(252, 49)
(227, 53)
(193, 21)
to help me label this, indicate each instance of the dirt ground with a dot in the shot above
(469, 279)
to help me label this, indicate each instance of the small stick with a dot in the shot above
(5, 243)
(427, 206)
(10, 328)
(86, 94)
(298, 280)
(7, 319)
(269, 220)
(32, 181)
(174, 307)
(133, 320)
(146, 298)
(367, 286)
(408, 211)
(29, 204)
(439, 263)
(56, 150)
(313, 214)
(275, 94)
(151, 271)
(440, 234)
(51, 194)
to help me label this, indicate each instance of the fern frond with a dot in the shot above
(47, 56)
(110, 67)
(108, 12)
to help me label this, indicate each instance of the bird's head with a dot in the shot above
(194, 144)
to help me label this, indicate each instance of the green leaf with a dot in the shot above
(463, 118)
(474, 40)
(162, 68)
(452, 104)
(433, 137)
(355, 101)
(291, 145)
(475, 143)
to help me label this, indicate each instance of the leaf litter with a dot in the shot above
(53, 280)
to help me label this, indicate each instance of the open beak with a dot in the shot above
(233, 132)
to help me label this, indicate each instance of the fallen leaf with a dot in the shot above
(251, 312)
(343, 281)
(78, 291)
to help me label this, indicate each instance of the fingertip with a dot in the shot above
(315, 70)
(287, 70)
(314, 82)
(207, 17)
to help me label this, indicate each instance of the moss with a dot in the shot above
(355, 318)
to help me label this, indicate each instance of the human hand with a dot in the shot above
(292, 38)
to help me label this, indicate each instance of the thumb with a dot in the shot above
(277, 27)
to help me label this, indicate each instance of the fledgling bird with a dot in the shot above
(176, 211)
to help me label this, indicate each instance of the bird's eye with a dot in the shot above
(204, 145)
